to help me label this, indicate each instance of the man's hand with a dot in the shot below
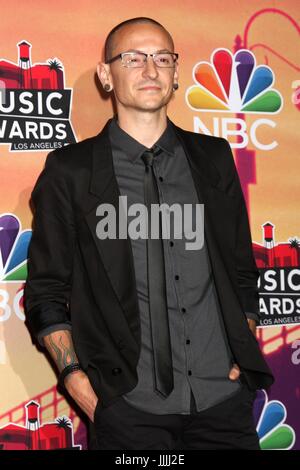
(252, 325)
(235, 370)
(79, 387)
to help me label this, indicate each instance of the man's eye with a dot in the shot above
(164, 60)
(134, 59)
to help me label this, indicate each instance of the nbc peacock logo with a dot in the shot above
(234, 84)
(14, 244)
(270, 416)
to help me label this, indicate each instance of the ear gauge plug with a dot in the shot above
(107, 87)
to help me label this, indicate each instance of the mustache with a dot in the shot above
(150, 84)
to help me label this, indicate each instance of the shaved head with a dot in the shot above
(112, 38)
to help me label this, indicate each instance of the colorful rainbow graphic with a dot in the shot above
(233, 83)
(13, 249)
(272, 431)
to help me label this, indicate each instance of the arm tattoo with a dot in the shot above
(63, 354)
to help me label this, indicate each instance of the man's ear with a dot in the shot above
(103, 72)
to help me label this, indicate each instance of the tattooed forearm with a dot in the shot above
(60, 346)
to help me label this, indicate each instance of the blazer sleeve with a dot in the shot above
(51, 249)
(247, 272)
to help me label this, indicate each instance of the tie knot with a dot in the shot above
(149, 155)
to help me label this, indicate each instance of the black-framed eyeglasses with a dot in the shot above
(138, 59)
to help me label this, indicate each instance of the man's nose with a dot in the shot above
(150, 68)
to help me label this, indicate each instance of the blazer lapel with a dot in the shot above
(116, 254)
(201, 166)
(219, 218)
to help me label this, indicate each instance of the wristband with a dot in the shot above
(66, 371)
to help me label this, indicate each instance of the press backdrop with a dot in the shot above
(239, 78)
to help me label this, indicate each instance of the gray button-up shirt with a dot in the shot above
(201, 355)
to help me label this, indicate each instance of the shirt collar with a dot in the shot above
(120, 140)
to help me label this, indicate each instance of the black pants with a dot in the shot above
(227, 425)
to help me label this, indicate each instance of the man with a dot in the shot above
(156, 343)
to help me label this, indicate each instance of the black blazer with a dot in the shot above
(74, 276)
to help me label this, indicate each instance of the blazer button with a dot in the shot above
(116, 371)
(120, 344)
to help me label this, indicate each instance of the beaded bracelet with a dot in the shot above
(66, 371)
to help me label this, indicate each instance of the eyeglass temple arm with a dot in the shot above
(114, 58)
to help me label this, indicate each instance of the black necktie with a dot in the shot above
(162, 354)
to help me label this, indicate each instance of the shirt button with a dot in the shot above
(161, 178)
(183, 310)
(171, 243)
(188, 341)
(176, 277)
(190, 372)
